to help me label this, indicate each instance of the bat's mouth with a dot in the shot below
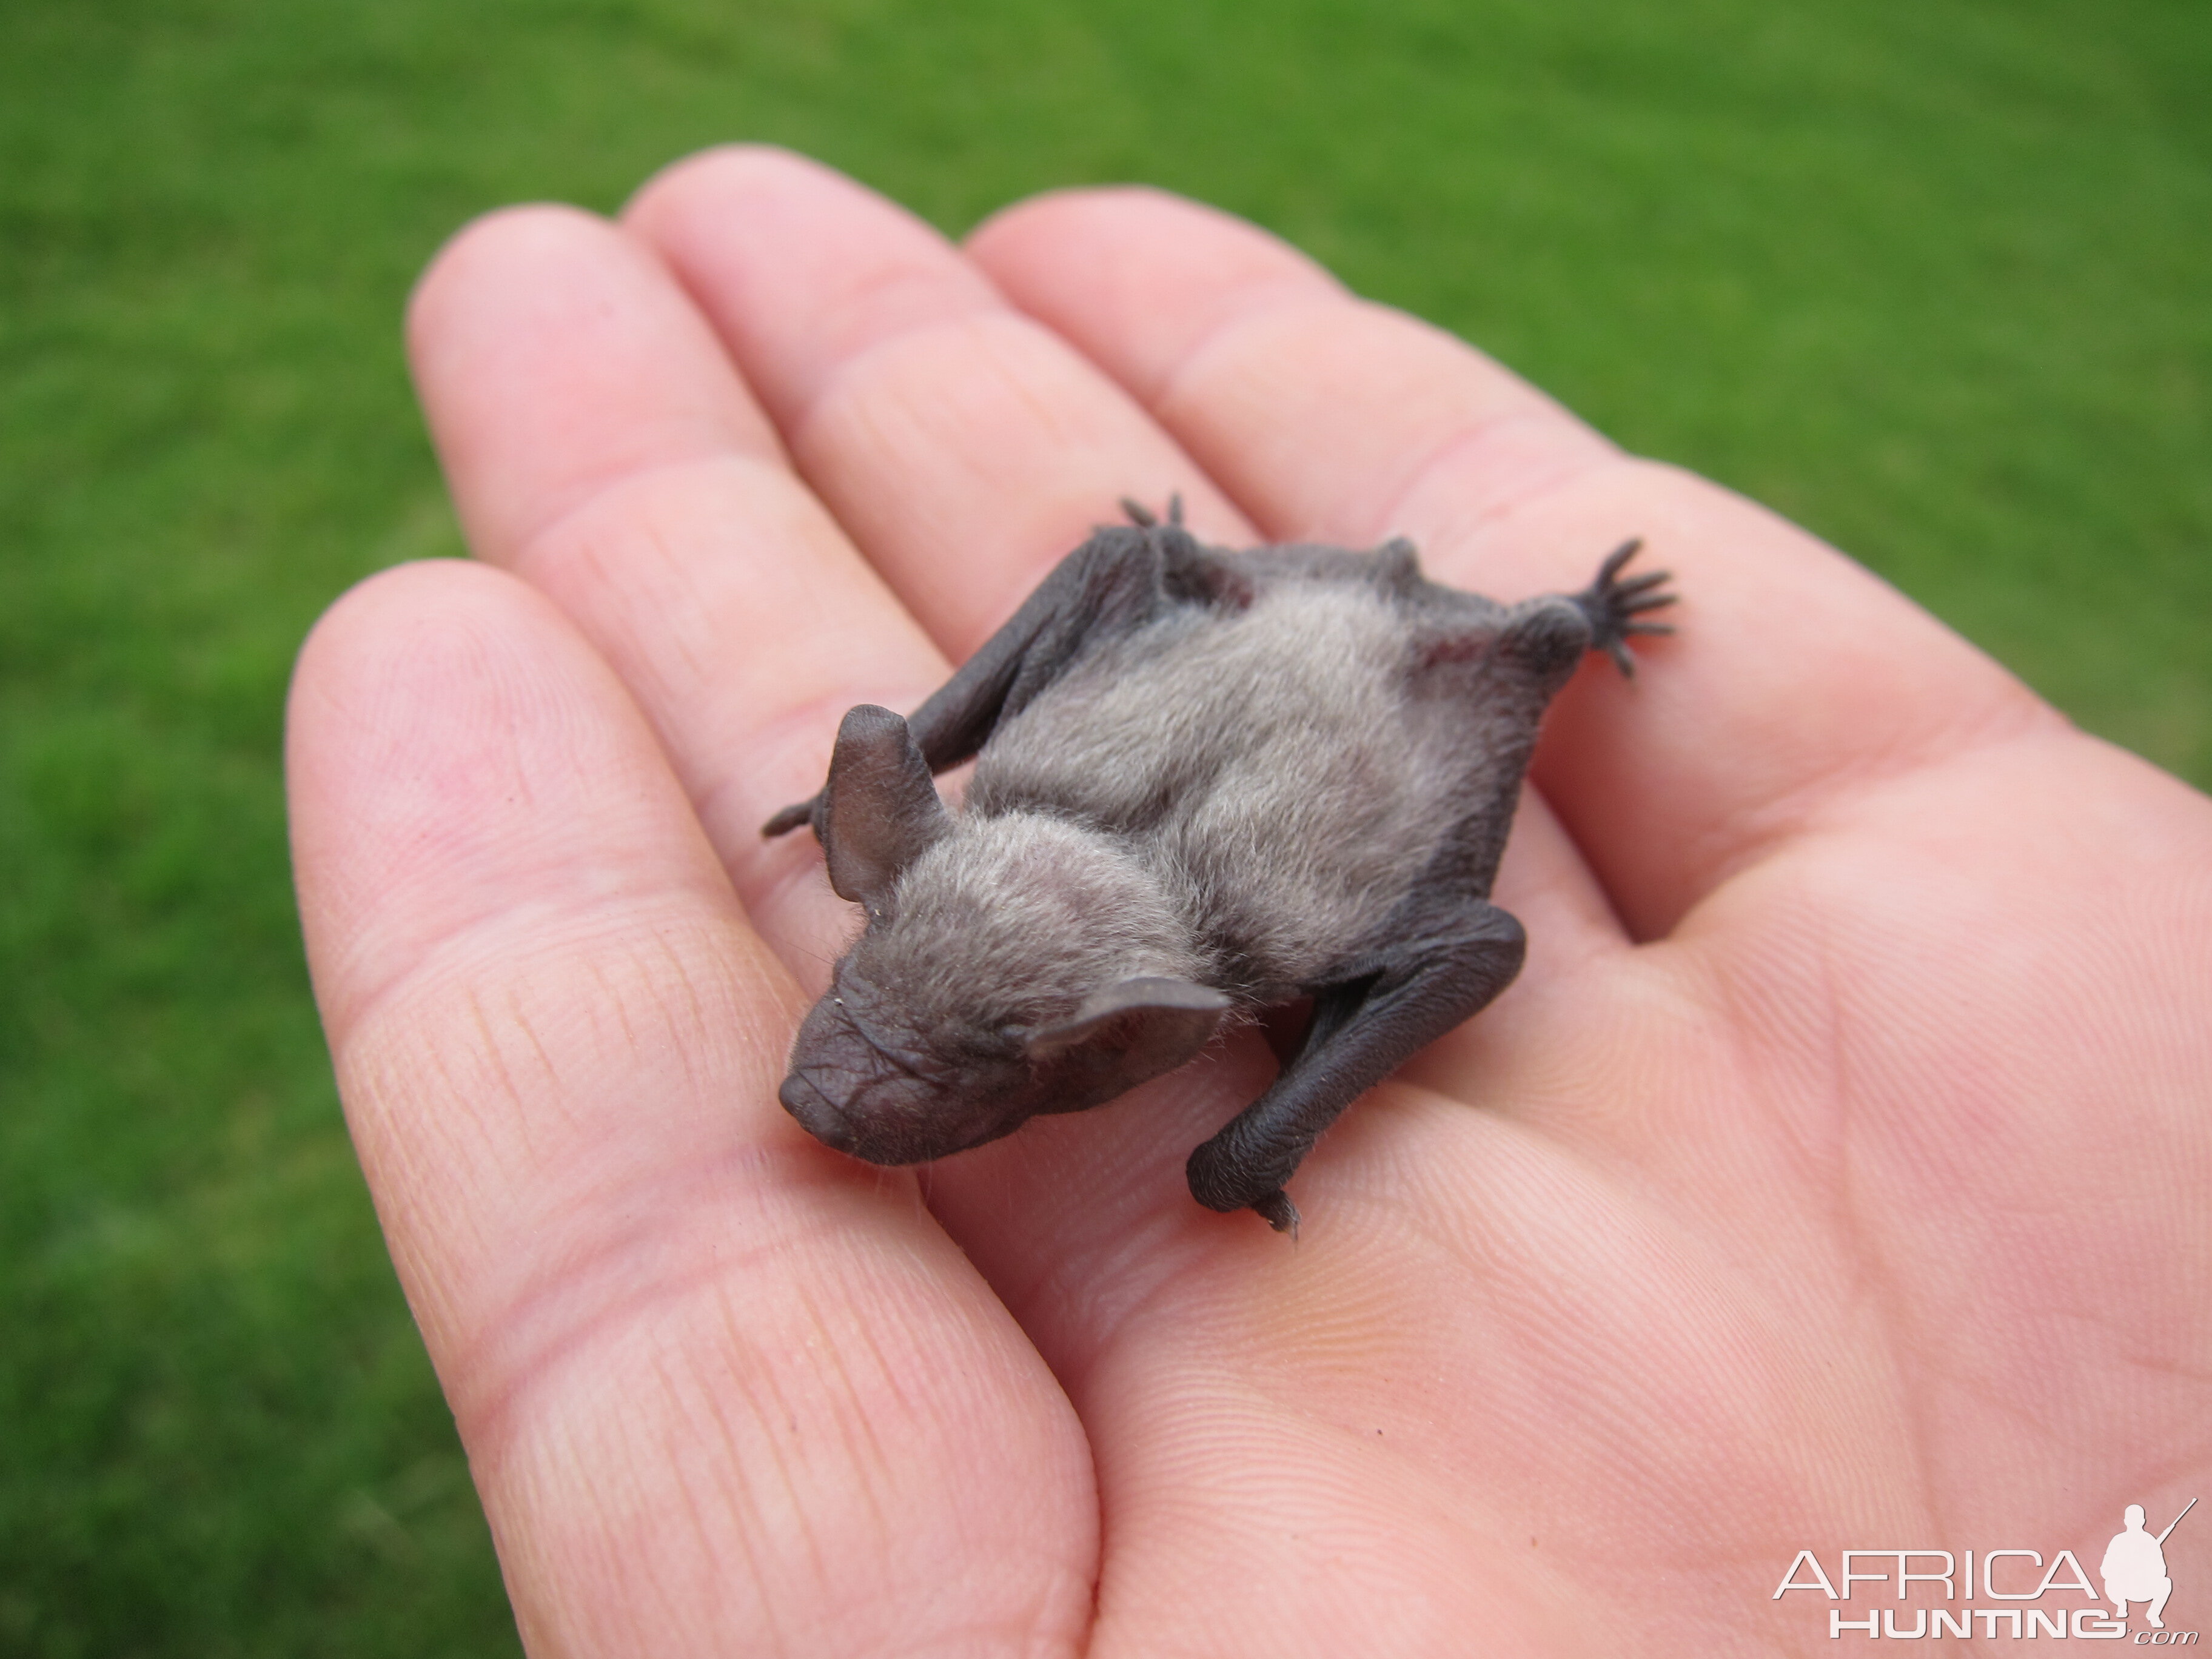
(888, 1119)
(852, 1120)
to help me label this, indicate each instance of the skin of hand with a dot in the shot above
(1833, 1176)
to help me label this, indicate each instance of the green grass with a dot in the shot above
(1929, 275)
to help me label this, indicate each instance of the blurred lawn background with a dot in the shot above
(1930, 276)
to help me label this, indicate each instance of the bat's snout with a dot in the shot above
(890, 1119)
(875, 1088)
(850, 1094)
(816, 1113)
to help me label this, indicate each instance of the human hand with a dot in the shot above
(1831, 1177)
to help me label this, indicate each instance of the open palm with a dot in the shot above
(1833, 1176)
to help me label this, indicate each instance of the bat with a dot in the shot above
(1207, 782)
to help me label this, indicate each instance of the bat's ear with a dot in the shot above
(879, 810)
(1125, 1034)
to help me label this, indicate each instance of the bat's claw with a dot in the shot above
(1277, 1210)
(1143, 517)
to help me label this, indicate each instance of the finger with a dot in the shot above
(964, 447)
(600, 444)
(1796, 675)
(712, 1387)
(1248, 352)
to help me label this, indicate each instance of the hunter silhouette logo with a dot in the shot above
(2135, 1566)
(2133, 1571)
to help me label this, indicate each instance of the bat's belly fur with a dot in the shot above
(1281, 848)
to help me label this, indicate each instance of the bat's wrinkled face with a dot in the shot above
(1011, 966)
(865, 1081)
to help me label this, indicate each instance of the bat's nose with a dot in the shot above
(816, 1112)
(886, 1120)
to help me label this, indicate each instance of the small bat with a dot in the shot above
(1206, 783)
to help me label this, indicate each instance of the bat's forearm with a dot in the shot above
(1412, 995)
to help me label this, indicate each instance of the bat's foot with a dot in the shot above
(1277, 1210)
(1612, 606)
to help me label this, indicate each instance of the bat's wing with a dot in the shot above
(1448, 956)
(1116, 582)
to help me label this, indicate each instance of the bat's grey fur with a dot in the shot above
(1206, 782)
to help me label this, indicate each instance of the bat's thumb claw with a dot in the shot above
(1277, 1210)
